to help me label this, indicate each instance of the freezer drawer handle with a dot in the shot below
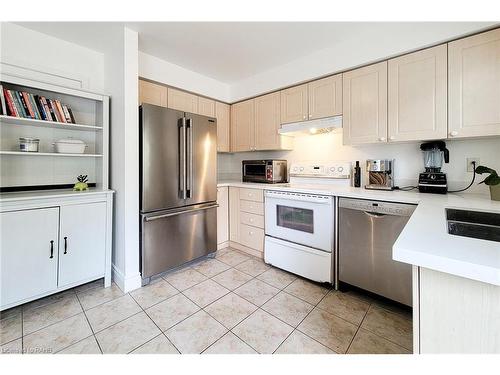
(180, 212)
(51, 249)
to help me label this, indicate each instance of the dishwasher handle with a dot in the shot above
(375, 215)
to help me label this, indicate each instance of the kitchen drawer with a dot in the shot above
(252, 207)
(252, 219)
(252, 237)
(255, 195)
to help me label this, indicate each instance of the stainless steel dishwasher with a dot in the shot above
(367, 231)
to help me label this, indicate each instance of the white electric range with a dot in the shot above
(300, 228)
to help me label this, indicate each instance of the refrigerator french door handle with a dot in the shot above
(182, 158)
(189, 153)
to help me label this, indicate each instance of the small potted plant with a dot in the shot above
(493, 181)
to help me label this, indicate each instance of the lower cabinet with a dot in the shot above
(82, 242)
(222, 215)
(52, 247)
(246, 219)
(28, 253)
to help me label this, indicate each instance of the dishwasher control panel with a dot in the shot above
(379, 207)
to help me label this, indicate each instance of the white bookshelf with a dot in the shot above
(56, 154)
(9, 120)
(20, 169)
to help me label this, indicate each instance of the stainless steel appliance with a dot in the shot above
(178, 188)
(433, 180)
(380, 174)
(300, 227)
(367, 232)
(269, 171)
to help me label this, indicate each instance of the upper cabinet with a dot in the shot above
(206, 107)
(474, 85)
(365, 104)
(255, 124)
(325, 97)
(417, 95)
(182, 101)
(243, 126)
(222, 113)
(267, 124)
(314, 100)
(294, 104)
(152, 93)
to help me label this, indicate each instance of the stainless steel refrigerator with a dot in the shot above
(178, 188)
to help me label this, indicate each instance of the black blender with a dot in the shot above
(433, 180)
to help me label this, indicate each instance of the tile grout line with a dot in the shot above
(90, 325)
(296, 328)
(358, 328)
(161, 331)
(385, 338)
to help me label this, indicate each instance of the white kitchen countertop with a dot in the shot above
(424, 241)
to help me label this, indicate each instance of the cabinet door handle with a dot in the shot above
(65, 245)
(51, 249)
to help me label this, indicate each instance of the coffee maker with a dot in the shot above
(432, 180)
(380, 174)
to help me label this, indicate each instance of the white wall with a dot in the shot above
(348, 53)
(38, 56)
(408, 157)
(158, 70)
(121, 72)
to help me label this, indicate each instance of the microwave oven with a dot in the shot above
(269, 171)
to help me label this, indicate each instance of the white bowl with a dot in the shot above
(70, 146)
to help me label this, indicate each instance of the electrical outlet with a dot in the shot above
(470, 167)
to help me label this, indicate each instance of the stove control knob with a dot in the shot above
(295, 169)
(340, 169)
(332, 169)
(302, 169)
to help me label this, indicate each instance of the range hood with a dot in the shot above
(312, 127)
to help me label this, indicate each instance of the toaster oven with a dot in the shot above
(270, 171)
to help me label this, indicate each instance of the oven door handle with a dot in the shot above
(326, 201)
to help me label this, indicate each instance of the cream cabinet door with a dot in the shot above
(222, 214)
(294, 104)
(82, 242)
(267, 123)
(325, 97)
(365, 104)
(417, 95)
(182, 101)
(234, 214)
(152, 93)
(28, 254)
(223, 115)
(243, 126)
(206, 107)
(474, 85)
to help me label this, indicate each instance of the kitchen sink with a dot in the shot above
(475, 224)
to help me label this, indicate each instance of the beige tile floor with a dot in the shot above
(231, 304)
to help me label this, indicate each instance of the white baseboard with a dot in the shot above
(126, 284)
(222, 245)
(240, 247)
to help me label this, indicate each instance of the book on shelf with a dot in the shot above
(3, 103)
(23, 104)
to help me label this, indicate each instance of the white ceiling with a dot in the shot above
(231, 52)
